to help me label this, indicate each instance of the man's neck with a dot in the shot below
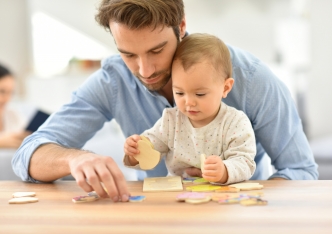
(167, 92)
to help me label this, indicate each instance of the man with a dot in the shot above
(135, 87)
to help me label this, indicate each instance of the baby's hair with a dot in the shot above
(197, 47)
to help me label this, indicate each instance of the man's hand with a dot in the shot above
(90, 170)
(131, 148)
(215, 170)
(12, 140)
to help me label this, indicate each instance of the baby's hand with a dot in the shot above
(214, 169)
(131, 148)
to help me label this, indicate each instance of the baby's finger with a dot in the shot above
(131, 142)
(136, 138)
(212, 166)
(210, 178)
(131, 151)
(210, 172)
(212, 159)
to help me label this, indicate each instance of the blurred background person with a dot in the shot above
(12, 123)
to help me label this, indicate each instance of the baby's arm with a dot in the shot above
(240, 149)
(131, 149)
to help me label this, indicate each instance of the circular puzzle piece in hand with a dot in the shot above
(148, 158)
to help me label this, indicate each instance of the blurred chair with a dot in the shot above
(322, 150)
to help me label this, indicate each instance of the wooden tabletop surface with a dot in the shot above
(293, 207)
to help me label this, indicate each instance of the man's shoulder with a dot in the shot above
(113, 60)
(114, 68)
(242, 59)
(248, 69)
(233, 113)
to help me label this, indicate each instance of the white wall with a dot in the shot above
(78, 14)
(246, 24)
(320, 81)
(249, 24)
(15, 37)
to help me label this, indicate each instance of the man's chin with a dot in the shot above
(157, 86)
(154, 87)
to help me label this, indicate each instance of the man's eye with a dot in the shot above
(200, 94)
(129, 55)
(156, 51)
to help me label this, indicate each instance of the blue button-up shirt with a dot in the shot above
(114, 93)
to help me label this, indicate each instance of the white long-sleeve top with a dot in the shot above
(229, 135)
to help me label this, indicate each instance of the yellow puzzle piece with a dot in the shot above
(148, 158)
(203, 188)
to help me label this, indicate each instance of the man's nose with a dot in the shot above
(146, 67)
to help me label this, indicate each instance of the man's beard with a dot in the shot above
(165, 77)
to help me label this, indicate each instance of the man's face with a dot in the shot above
(148, 54)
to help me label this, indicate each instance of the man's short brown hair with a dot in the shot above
(199, 47)
(138, 14)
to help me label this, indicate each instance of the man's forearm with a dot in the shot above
(51, 162)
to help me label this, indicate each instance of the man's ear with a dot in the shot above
(183, 27)
(228, 85)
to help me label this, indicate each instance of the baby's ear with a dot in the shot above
(228, 85)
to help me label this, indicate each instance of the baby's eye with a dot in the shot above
(200, 94)
(179, 93)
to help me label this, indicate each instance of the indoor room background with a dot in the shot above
(53, 46)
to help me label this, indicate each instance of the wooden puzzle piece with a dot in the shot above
(148, 158)
(203, 157)
(229, 201)
(198, 201)
(22, 200)
(163, 184)
(147, 141)
(253, 202)
(24, 194)
(190, 195)
(201, 181)
(247, 186)
(218, 197)
(189, 180)
(136, 198)
(93, 194)
(203, 188)
(82, 199)
(227, 189)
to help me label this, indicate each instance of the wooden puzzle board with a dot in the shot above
(162, 184)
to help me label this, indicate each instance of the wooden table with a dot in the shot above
(294, 207)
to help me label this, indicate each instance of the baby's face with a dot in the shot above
(197, 92)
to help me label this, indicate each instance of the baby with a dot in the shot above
(200, 123)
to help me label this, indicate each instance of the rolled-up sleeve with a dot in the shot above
(72, 126)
